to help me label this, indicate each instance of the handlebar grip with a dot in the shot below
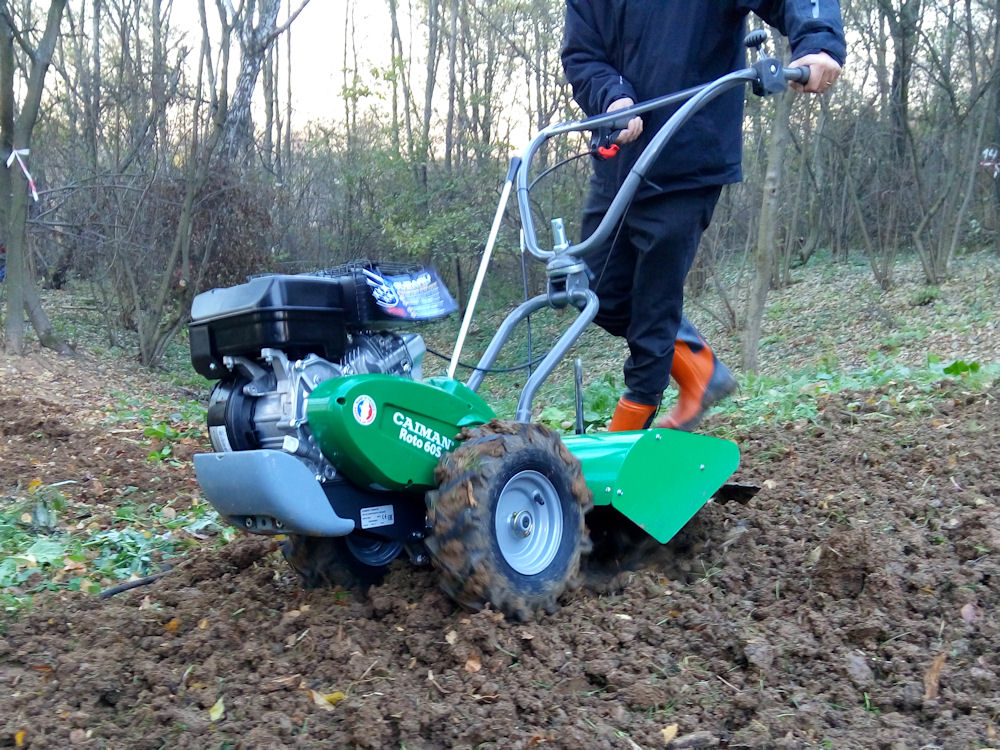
(798, 75)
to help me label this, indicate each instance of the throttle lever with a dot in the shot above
(602, 140)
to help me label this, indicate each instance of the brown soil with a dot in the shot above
(852, 604)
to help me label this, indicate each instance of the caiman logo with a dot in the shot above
(364, 410)
(420, 436)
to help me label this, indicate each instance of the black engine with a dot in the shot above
(271, 341)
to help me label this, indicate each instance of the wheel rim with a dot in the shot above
(371, 551)
(528, 522)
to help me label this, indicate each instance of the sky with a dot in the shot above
(318, 42)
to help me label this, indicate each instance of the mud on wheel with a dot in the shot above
(507, 519)
(355, 561)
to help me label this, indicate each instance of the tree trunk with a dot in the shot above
(255, 40)
(766, 234)
(16, 134)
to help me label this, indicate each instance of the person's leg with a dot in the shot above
(701, 378)
(612, 272)
(665, 231)
(611, 267)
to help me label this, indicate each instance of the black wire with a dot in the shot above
(523, 366)
(556, 166)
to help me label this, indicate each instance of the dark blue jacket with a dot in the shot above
(647, 48)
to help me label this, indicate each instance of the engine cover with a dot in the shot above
(315, 313)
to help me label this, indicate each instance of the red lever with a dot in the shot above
(608, 152)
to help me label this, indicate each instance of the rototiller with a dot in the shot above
(326, 432)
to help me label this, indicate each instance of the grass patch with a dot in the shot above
(798, 396)
(44, 548)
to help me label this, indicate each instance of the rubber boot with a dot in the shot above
(701, 379)
(630, 415)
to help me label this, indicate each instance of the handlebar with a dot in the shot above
(802, 77)
(767, 76)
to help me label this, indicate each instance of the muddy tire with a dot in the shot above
(356, 561)
(507, 519)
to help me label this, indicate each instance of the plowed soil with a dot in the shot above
(853, 603)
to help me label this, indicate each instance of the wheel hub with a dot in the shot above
(522, 524)
(528, 522)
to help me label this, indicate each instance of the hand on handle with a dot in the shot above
(634, 128)
(823, 71)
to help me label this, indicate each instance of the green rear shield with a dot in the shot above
(658, 479)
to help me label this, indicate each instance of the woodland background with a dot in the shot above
(169, 158)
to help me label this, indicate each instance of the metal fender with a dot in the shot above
(658, 479)
(388, 432)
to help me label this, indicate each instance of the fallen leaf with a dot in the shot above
(218, 710)
(78, 736)
(669, 733)
(202, 624)
(969, 613)
(19, 738)
(73, 565)
(282, 683)
(430, 679)
(33, 485)
(472, 664)
(172, 625)
(815, 555)
(932, 677)
(326, 701)
(623, 617)
(169, 513)
(451, 638)
(25, 518)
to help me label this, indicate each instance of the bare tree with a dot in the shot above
(15, 136)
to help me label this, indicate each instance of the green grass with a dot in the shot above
(42, 549)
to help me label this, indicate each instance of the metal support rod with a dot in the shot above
(483, 264)
(589, 301)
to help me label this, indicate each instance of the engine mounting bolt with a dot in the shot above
(621, 492)
(659, 437)
(607, 489)
(703, 467)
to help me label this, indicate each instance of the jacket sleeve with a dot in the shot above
(810, 25)
(595, 80)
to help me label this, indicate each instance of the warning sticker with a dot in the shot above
(381, 515)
